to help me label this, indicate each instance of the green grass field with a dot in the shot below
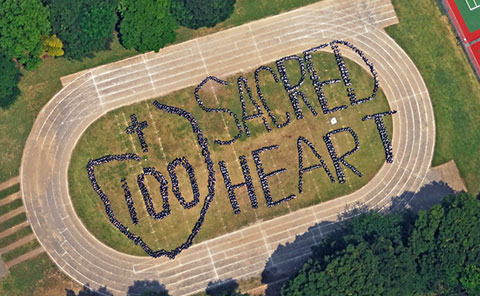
(10, 206)
(39, 86)
(169, 137)
(245, 11)
(471, 17)
(10, 190)
(423, 33)
(15, 236)
(451, 82)
(20, 250)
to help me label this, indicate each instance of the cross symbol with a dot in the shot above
(137, 128)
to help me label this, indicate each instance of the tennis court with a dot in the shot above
(466, 17)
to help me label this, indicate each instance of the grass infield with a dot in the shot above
(169, 137)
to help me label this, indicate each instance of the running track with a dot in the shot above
(243, 253)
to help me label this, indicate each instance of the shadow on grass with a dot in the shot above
(140, 288)
(287, 259)
(228, 287)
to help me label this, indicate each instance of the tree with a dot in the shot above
(146, 25)
(201, 13)
(22, 26)
(445, 243)
(471, 280)
(436, 252)
(370, 257)
(84, 26)
(8, 81)
(52, 46)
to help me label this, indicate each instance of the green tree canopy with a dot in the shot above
(146, 25)
(22, 27)
(435, 252)
(201, 13)
(9, 78)
(84, 26)
(52, 46)
(446, 245)
(370, 258)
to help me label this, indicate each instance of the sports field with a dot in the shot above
(169, 137)
(470, 10)
(465, 15)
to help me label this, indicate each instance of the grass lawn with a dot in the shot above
(37, 276)
(170, 137)
(426, 35)
(423, 33)
(245, 11)
(15, 236)
(20, 250)
(10, 190)
(38, 87)
(13, 221)
(10, 206)
(22, 278)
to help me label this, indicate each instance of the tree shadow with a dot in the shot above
(287, 259)
(428, 196)
(147, 288)
(140, 288)
(228, 287)
(88, 291)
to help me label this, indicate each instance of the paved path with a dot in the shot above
(29, 255)
(24, 240)
(10, 182)
(449, 174)
(12, 214)
(243, 253)
(14, 229)
(10, 198)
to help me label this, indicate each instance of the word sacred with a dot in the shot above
(295, 95)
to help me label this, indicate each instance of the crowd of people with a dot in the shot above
(108, 207)
(317, 83)
(243, 81)
(264, 103)
(163, 189)
(387, 146)
(231, 188)
(293, 93)
(129, 201)
(146, 195)
(138, 128)
(248, 179)
(337, 160)
(302, 169)
(211, 185)
(345, 75)
(293, 90)
(263, 177)
(193, 181)
(224, 110)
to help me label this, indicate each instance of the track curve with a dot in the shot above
(63, 120)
